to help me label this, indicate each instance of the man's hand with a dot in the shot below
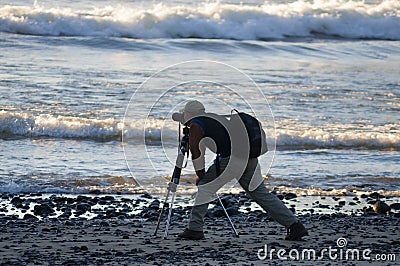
(199, 175)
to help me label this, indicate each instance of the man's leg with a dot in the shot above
(268, 201)
(199, 211)
(207, 189)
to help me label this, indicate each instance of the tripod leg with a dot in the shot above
(161, 213)
(230, 221)
(169, 215)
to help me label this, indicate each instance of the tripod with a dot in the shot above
(173, 184)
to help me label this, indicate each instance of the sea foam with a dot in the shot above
(289, 135)
(344, 19)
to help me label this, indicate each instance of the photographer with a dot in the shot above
(208, 130)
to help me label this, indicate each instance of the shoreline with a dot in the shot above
(121, 233)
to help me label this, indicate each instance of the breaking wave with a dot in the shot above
(290, 136)
(332, 18)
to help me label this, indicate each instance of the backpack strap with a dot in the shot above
(217, 164)
(199, 122)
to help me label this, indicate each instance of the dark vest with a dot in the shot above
(216, 131)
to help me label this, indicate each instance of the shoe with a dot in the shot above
(190, 234)
(296, 231)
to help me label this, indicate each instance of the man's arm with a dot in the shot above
(196, 133)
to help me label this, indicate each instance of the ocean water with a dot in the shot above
(87, 89)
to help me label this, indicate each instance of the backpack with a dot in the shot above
(254, 131)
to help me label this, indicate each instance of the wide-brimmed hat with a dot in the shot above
(193, 107)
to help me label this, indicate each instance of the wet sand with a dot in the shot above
(119, 231)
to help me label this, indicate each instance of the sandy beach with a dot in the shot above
(88, 92)
(118, 230)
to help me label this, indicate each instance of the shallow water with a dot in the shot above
(334, 95)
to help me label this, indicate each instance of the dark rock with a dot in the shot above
(229, 201)
(93, 201)
(374, 195)
(78, 213)
(122, 216)
(119, 254)
(69, 223)
(81, 198)
(242, 200)
(30, 217)
(146, 196)
(324, 217)
(395, 206)
(43, 210)
(368, 210)
(104, 224)
(150, 214)
(147, 241)
(70, 201)
(95, 192)
(217, 211)
(83, 207)
(16, 201)
(110, 212)
(65, 215)
(108, 198)
(155, 204)
(342, 203)
(232, 211)
(102, 202)
(290, 196)
(5, 196)
(381, 207)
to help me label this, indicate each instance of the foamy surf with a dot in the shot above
(352, 20)
(290, 135)
(127, 185)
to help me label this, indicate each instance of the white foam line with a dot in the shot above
(347, 19)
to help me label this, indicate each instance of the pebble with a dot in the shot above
(232, 211)
(290, 196)
(381, 207)
(95, 192)
(216, 211)
(155, 204)
(83, 207)
(395, 206)
(30, 217)
(280, 196)
(16, 201)
(43, 210)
